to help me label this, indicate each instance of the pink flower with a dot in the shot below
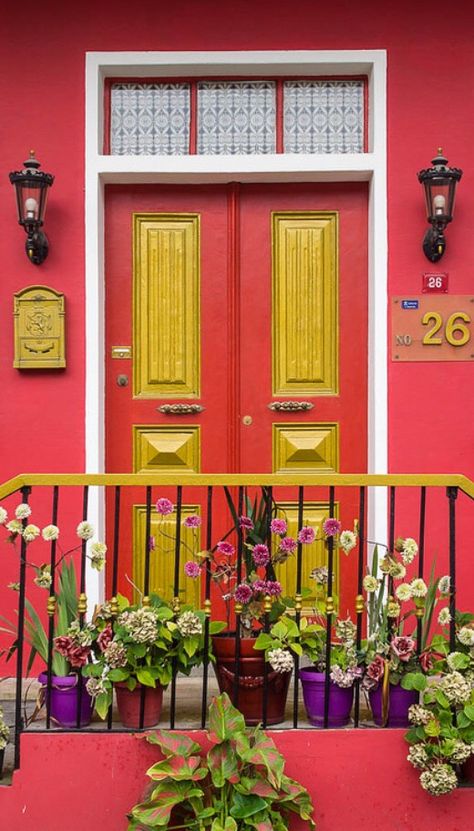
(273, 588)
(246, 523)
(403, 647)
(225, 548)
(62, 645)
(259, 586)
(376, 669)
(261, 555)
(151, 543)
(306, 535)
(192, 569)
(331, 527)
(288, 545)
(164, 506)
(78, 655)
(278, 526)
(193, 521)
(105, 637)
(243, 593)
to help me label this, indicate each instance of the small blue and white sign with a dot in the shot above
(410, 304)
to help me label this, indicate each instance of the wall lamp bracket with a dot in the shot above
(31, 188)
(439, 182)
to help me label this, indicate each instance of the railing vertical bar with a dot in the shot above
(51, 608)
(240, 549)
(82, 603)
(146, 588)
(298, 602)
(25, 492)
(452, 494)
(421, 563)
(329, 612)
(207, 608)
(266, 617)
(391, 534)
(115, 564)
(177, 550)
(359, 598)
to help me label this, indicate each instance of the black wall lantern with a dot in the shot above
(31, 186)
(439, 183)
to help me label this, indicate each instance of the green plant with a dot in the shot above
(310, 639)
(239, 784)
(442, 735)
(144, 645)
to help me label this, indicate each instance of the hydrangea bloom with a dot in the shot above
(280, 660)
(438, 780)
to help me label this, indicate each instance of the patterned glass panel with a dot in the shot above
(236, 117)
(323, 117)
(148, 119)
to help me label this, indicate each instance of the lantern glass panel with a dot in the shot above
(437, 193)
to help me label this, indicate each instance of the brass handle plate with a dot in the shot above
(180, 409)
(290, 406)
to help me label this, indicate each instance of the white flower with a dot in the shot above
(397, 571)
(466, 636)
(409, 550)
(280, 660)
(85, 530)
(439, 779)
(43, 577)
(22, 511)
(444, 584)
(444, 617)
(14, 526)
(189, 624)
(50, 532)
(451, 660)
(30, 533)
(455, 687)
(347, 541)
(3, 515)
(418, 587)
(403, 591)
(419, 715)
(98, 549)
(370, 583)
(418, 756)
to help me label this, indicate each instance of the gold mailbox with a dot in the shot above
(39, 329)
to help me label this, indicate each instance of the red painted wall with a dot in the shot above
(91, 781)
(430, 102)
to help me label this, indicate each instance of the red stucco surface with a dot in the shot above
(357, 779)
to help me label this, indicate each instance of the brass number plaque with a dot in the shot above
(431, 328)
(39, 329)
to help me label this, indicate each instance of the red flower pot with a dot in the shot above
(129, 703)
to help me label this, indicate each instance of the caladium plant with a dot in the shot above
(238, 784)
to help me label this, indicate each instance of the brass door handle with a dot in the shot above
(180, 409)
(290, 406)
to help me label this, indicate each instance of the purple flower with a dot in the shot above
(246, 523)
(306, 535)
(192, 569)
(261, 555)
(243, 593)
(331, 527)
(259, 586)
(278, 526)
(273, 588)
(225, 548)
(288, 545)
(193, 521)
(164, 506)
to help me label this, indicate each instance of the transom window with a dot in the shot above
(215, 117)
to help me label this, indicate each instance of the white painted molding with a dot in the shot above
(369, 167)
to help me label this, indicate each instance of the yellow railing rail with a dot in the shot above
(446, 480)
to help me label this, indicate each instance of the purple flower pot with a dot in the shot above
(340, 699)
(398, 703)
(64, 699)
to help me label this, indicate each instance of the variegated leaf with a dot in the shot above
(264, 753)
(224, 719)
(223, 764)
(178, 768)
(172, 743)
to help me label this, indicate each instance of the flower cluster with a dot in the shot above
(76, 646)
(4, 731)
(140, 624)
(280, 660)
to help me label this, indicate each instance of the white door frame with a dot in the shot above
(347, 167)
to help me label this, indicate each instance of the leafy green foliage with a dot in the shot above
(239, 784)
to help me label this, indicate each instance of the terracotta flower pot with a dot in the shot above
(249, 699)
(129, 703)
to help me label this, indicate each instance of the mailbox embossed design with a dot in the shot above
(39, 329)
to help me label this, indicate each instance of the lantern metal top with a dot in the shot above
(440, 170)
(31, 173)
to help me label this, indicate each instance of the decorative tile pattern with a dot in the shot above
(149, 119)
(236, 117)
(323, 117)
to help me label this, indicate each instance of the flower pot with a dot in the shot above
(2, 757)
(64, 699)
(340, 699)
(398, 703)
(129, 704)
(249, 699)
